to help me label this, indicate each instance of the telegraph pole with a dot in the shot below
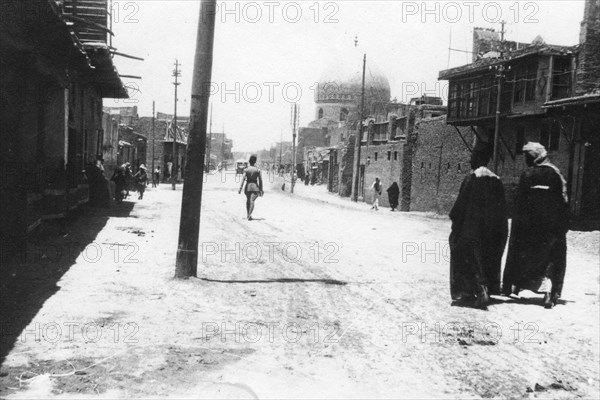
(209, 142)
(500, 76)
(176, 74)
(280, 149)
(189, 224)
(359, 135)
(294, 127)
(153, 140)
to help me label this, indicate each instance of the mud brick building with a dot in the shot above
(122, 143)
(389, 146)
(160, 143)
(579, 117)
(219, 149)
(56, 69)
(439, 164)
(548, 95)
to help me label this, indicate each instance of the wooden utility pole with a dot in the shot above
(359, 135)
(500, 76)
(209, 142)
(175, 157)
(280, 150)
(294, 125)
(189, 224)
(153, 140)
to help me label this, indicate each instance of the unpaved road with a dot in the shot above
(310, 300)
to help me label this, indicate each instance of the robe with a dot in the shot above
(538, 245)
(478, 237)
(393, 194)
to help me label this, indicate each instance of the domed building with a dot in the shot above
(339, 89)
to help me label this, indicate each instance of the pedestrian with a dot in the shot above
(393, 195)
(478, 235)
(128, 177)
(141, 179)
(377, 189)
(254, 186)
(120, 181)
(156, 177)
(537, 252)
(169, 170)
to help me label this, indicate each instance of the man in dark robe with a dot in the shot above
(393, 195)
(479, 230)
(537, 255)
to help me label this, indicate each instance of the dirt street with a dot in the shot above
(312, 299)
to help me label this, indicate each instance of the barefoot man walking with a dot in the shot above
(254, 185)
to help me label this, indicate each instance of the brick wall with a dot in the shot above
(441, 159)
(588, 78)
(386, 164)
(439, 164)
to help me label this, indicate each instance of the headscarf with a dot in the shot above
(540, 158)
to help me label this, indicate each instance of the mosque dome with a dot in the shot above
(341, 82)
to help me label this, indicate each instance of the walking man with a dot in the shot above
(479, 230)
(156, 177)
(254, 186)
(537, 252)
(377, 189)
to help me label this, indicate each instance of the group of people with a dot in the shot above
(393, 194)
(536, 259)
(125, 181)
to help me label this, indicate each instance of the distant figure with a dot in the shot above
(479, 230)
(156, 177)
(128, 177)
(537, 253)
(141, 179)
(169, 170)
(306, 179)
(254, 186)
(376, 187)
(393, 195)
(120, 183)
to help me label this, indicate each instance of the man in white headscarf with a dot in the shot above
(537, 254)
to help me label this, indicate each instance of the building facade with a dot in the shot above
(55, 73)
(539, 85)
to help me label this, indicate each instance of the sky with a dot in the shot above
(270, 54)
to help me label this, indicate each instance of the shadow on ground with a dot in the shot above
(29, 279)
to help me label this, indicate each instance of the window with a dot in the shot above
(524, 81)
(375, 156)
(459, 167)
(561, 78)
(320, 113)
(453, 100)
(395, 156)
(484, 96)
(389, 155)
